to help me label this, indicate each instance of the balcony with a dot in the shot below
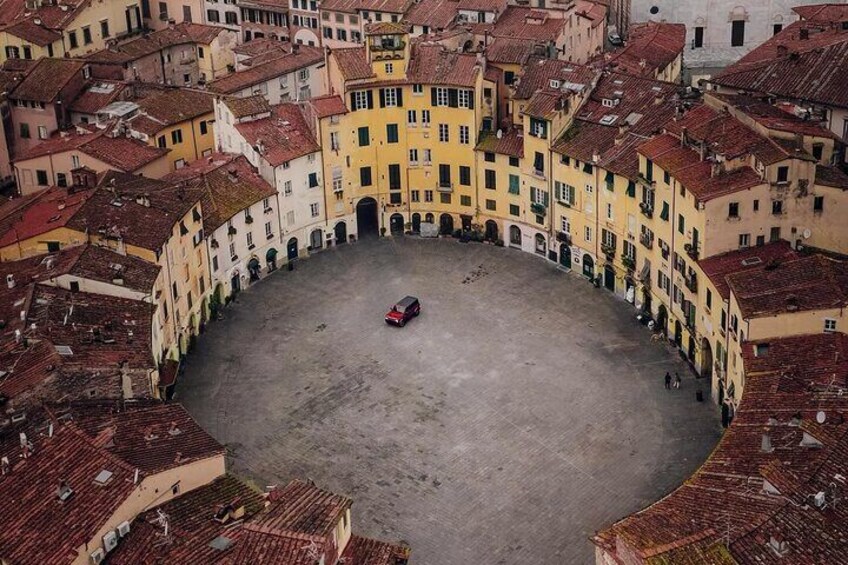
(691, 250)
(608, 250)
(445, 186)
(646, 209)
(645, 180)
(647, 241)
(563, 237)
(538, 209)
(691, 282)
(628, 262)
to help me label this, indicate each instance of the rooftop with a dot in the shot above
(247, 106)
(539, 72)
(328, 105)
(228, 184)
(718, 267)
(773, 117)
(510, 142)
(170, 107)
(283, 136)
(650, 48)
(352, 63)
(46, 80)
(151, 43)
(810, 283)
(282, 64)
(435, 14)
(519, 22)
(40, 213)
(97, 95)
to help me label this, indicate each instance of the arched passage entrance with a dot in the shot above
(291, 249)
(541, 244)
(340, 232)
(271, 259)
(588, 266)
(396, 224)
(367, 223)
(491, 230)
(446, 224)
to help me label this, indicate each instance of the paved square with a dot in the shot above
(523, 409)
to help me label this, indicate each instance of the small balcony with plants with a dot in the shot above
(628, 262)
(563, 237)
(692, 250)
(691, 282)
(647, 240)
(538, 209)
(608, 251)
(646, 209)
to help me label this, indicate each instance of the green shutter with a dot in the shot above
(664, 213)
(631, 189)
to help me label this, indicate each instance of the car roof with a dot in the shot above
(407, 301)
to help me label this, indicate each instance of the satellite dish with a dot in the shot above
(807, 234)
(821, 416)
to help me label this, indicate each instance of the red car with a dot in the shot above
(406, 309)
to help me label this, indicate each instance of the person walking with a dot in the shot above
(667, 380)
(676, 380)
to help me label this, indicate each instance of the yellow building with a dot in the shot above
(179, 120)
(403, 154)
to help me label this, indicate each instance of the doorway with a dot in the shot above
(678, 333)
(466, 222)
(396, 224)
(565, 256)
(367, 222)
(340, 232)
(446, 224)
(235, 283)
(706, 358)
(515, 235)
(291, 249)
(316, 239)
(491, 230)
(609, 278)
(541, 244)
(588, 267)
(416, 223)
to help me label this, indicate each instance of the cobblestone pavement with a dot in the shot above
(523, 410)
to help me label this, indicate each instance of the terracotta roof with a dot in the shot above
(809, 283)
(386, 28)
(100, 330)
(650, 48)
(261, 46)
(510, 143)
(170, 107)
(392, 6)
(328, 105)
(595, 12)
(744, 495)
(270, 70)
(151, 43)
(813, 69)
(147, 227)
(352, 63)
(148, 435)
(514, 23)
(191, 521)
(37, 526)
(823, 12)
(505, 50)
(831, 176)
(546, 103)
(285, 135)
(773, 117)
(538, 73)
(105, 265)
(367, 551)
(248, 106)
(434, 64)
(718, 267)
(45, 81)
(97, 95)
(346, 6)
(123, 153)
(435, 14)
(33, 33)
(45, 211)
(483, 5)
(228, 184)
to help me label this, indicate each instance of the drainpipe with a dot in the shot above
(194, 141)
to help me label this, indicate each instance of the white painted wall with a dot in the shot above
(301, 84)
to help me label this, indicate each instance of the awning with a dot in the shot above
(253, 263)
(271, 254)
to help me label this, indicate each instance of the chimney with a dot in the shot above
(143, 200)
(782, 50)
(658, 99)
(232, 172)
(765, 444)
(4, 466)
(10, 280)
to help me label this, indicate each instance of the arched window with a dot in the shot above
(514, 235)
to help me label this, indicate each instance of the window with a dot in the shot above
(818, 204)
(249, 239)
(425, 118)
(538, 128)
(698, 41)
(564, 193)
(539, 196)
(12, 52)
(61, 179)
(415, 195)
(629, 251)
(176, 136)
(314, 209)
(491, 182)
(465, 99)
(365, 176)
(287, 188)
(489, 157)
(204, 128)
(783, 174)
(391, 133)
(587, 233)
(361, 100)
(756, 205)
(413, 157)
(394, 177)
(411, 118)
(777, 207)
(737, 33)
(24, 131)
(313, 180)
(428, 196)
(464, 135)
(41, 177)
(42, 132)
(514, 184)
(390, 68)
(539, 164)
(389, 97)
(364, 136)
(417, 89)
(160, 142)
(72, 39)
(744, 240)
(445, 198)
(776, 28)
(681, 223)
(335, 145)
(464, 200)
(444, 133)
(514, 210)
(609, 239)
(609, 211)
(829, 325)
(444, 175)
(440, 96)
(395, 198)
(427, 158)
(464, 175)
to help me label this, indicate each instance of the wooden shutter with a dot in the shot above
(382, 98)
(400, 97)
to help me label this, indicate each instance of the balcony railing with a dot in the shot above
(564, 237)
(647, 241)
(647, 209)
(628, 262)
(691, 250)
(691, 282)
(445, 187)
(538, 209)
(608, 250)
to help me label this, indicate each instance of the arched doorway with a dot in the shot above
(253, 268)
(491, 230)
(446, 224)
(429, 218)
(316, 239)
(662, 320)
(367, 222)
(416, 223)
(291, 249)
(396, 224)
(565, 256)
(609, 278)
(515, 235)
(340, 232)
(271, 259)
(706, 358)
(589, 266)
(235, 283)
(541, 244)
